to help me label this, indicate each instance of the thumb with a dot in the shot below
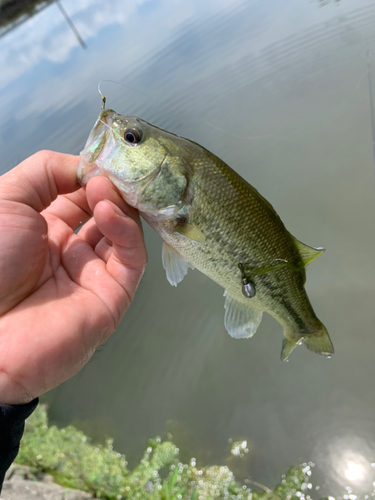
(38, 180)
(128, 256)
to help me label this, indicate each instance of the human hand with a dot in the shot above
(61, 294)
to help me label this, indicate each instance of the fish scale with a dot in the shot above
(210, 219)
(224, 267)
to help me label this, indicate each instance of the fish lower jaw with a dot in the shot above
(153, 218)
(86, 171)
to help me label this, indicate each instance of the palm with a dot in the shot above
(63, 295)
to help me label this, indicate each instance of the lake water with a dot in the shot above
(284, 92)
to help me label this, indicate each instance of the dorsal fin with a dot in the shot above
(307, 253)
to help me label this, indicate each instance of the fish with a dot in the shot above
(212, 220)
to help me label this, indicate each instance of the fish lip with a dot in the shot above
(101, 131)
(103, 122)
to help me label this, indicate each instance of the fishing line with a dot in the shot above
(122, 85)
(192, 115)
(110, 128)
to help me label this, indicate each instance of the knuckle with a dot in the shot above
(13, 391)
(42, 156)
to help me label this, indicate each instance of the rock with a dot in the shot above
(21, 484)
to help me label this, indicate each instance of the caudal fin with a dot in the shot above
(318, 342)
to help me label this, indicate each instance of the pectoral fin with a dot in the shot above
(241, 319)
(175, 266)
(190, 231)
(307, 253)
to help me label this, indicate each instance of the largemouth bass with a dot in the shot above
(210, 219)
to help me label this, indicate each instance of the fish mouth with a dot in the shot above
(99, 145)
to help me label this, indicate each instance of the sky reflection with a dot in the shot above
(349, 458)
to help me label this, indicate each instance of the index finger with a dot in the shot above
(38, 180)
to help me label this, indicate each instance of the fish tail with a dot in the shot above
(317, 341)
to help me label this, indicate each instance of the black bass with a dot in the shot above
(210, 219)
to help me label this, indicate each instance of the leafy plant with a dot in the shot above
(70, 457)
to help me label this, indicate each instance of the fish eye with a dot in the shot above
(133, 136)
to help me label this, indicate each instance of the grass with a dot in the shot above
(73, 461)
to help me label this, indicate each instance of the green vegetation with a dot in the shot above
(69, 456)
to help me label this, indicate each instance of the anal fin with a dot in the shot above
(241, 319)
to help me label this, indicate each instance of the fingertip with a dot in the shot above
(100, 188)
(99, 183)
(95, 191)
(107, 210)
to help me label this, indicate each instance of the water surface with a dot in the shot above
(283, 92)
